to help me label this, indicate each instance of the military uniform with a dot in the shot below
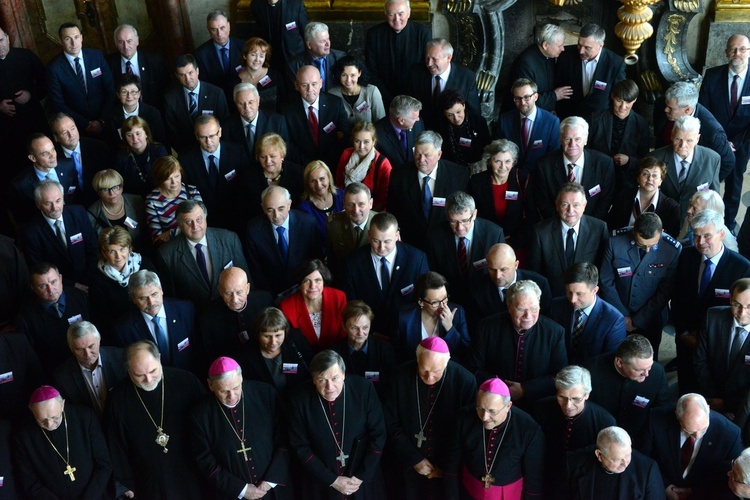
(640, 287)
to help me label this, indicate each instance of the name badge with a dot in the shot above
(264, 81)
(72, 190)
(511, 195)
(747, 360)
(289, 368)
(537, 144)
(207, 112)
(374, 376)
(131, 223)
(438, 201)
(76, 238)
(230, 175)
(119, 133)
(364, 106)
(75, 319)
(290, 26)
(238, 68)
(407, 289)
(2, 481)
(641, 401)
(745, 99)
(702, 187)
(329, 128)
(624, 272)
(463, 141)
(229, 264)
(722, 293)
(600, 85)
(6, 377)
(480, 264)
(184, 344)
(243, 336)
(595, 190)
(96, 72)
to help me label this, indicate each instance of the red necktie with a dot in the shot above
(463, 260)
(313, 121)
(525, 129)
(686, 452)
(571, 174)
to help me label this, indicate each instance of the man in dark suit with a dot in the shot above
(397, 131)
(79, 82)
(703, 279)
(437, 73)
(318, 54)
(591, 71)
(317, 121)
(725, 92)
(218, 169)
(383, 273)
(723, 376)
(571, 237)
(693, 446)
(185, 102)
(279, 240)
(537, 63)
(592, 326)
(88, 155)
(148, 66)
(169, 323)
(348, 230)
(488, 290)
(45, 165)
(574, 163)
(393, 47)
(535, 131)
(627, 472)
(417, 193)
(282, 24)
(457, 248)
(261, 122)
(637, 275)
(60, 235)
(681, 156)
(192, 261)
(17, 357)
(87, 377)
(220, 56)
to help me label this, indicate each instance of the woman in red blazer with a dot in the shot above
(363, 163)
(316, 309)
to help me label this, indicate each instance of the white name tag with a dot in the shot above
(2, 481)
(374, 376)
(364, 106)
(290, 26)
(722, 293)
(230, 175)
(238, 68)
(207, 112)
(407, 289)
(329, 128)
(75, 319)
(438, 201)
(537, 144)
(289, 368)
(702, 187)
(624, 272)
(595, 190)
(264, 81)
(229, 264)
(72, 190)
(745, 99)
(747, 360)
(96, 72)
(463, 141)
(511, 195)
(76, 238)
(480, 264)
(641, 401)
(130, 223)
(600, 85)
(184, 344)
(6, 377)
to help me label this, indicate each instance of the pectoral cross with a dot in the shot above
(244, 451)
(342, 458)
(420, 439)
(488, 480)
(69, 472)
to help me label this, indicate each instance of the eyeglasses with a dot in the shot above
(207, 137)
(436, 303)
(653, 175)
(463, 222)
(126, 93)
(524, 98)
(110, 189)
(738, 50)
(739, 307)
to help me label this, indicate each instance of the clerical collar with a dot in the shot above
(234, 405)
(241, 310)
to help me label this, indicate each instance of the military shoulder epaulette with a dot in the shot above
(671, 240)
(622, 230)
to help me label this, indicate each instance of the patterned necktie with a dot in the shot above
(200, 257)
(161, 339)
(213, 173)
(577, 329)
(312, 120)
(283, 246)
(733, 101)
(571, 173)
(426, 197)
(683, 173)
(463, 259)
(79, 74)
(570, 247)
(128, 68)
(193, 108)
(525, 132)
(79, 167)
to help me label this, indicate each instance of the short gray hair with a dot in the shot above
(684, 93)
(216, 13)
(445, 46)
(138, 346)
(313, 29)
(272, 189)
(500, 146)
(355, 188)
(122, 27)
(549, 33)
(401, 105)
(522, 287)
(388, 2)
(242, 87)
(459, 202)
(429, 137)
(575, 121)
(142, 278)
(46, 185)
(711, 199)
(706, 217)
(325, 360)
(612, 435)
(687, 124)
(225, 375)
(80, 330)
(187, 206)
(743, 462)
(421, 350)
(691, 397)
(573, 376)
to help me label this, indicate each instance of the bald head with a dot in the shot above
(308, 83)
(234, 288)
(502, 265)
(693, 413)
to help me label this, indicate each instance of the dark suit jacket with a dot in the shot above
(714, 95)
(551, 174)
(688, 308)
(291, 26)
(71, 384)
(708, 163)
(225, 204)
(180, 129)
(150, 113)
(389, 145)
(154, 76)
(410, 332)
(461, 78)
(294, 350)
(515, 227)
(635, 141)
(95, 156)
(304, 58)
(712, 135)
(20, 201)
(485, 299)
(181, 276)
(718, 377)
(76, 262)
(291, 179)
(379, 358)
(233, 131)
(67, 96)
(211, 69)
(361, 283)
(18, 356)
(540, 69)
(341, 242)
(132, 327)
(547, 255)
(603, 331)
(269, 270)
(545, 136)
(667, 209)
(640, 481)
(330, 110)
(609, 70)
(405, 199)
(720, 445)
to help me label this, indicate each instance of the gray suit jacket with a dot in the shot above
(703, 174)
(178, 268)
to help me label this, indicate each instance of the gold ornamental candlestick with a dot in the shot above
(633, 27)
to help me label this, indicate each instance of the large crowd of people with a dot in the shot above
(295, 273)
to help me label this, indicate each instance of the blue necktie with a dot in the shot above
(79, 74)
(161, 339)
(402, 139)
(79, 167)
(213, 173)
(426, 197)
(200, 257)
(193, 105)
(225, 58)
(706, 277)
(321, 65)
(283, 246)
